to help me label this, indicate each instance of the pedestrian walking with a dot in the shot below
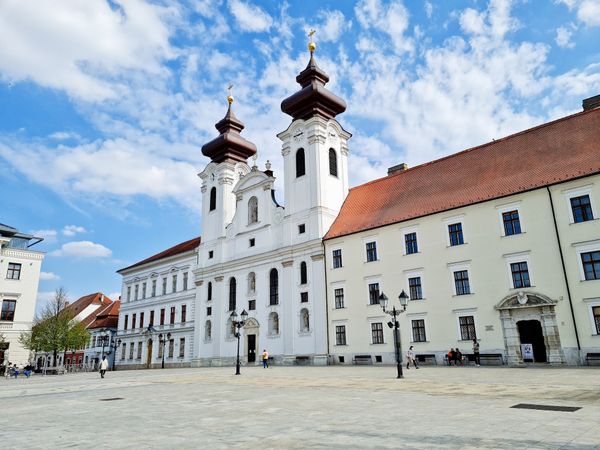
(476, 352)
(265, 359)
(410, 357)
(103, 366)
(459, 357)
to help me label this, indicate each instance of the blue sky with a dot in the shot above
(104, 105)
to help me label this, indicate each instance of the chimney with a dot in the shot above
(101, 298)
(591, 103)
(398, 168)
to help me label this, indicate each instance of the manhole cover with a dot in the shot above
(110, 399)
(547, 407)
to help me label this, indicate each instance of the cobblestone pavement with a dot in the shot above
(304, 407)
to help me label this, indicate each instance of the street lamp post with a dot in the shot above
(162, 340)
(115, 344)
(104, 339)
(238, 324)
(383, 301)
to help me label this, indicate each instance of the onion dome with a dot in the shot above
(229, 145)
(314, 98)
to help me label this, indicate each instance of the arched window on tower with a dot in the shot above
(333, 162)
(300, 167)
(273, 287)
(209, 291)
(273, 323)
(232, 294)
(251, 282)
(213, 199)
(252, 210)
(303, 274)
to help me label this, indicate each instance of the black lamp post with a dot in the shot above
(162, 340)
(115, 344)
(238, 324)
(383, 301)
(104, 340)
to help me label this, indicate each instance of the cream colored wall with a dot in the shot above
(485, 252)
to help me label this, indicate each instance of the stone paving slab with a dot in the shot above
(304, 407)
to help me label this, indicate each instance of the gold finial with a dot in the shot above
(311, 44)
(230, 97)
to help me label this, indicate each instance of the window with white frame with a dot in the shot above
(339, 298)
(8, 310)
(273, 324)
(14, 271)
(580, 204)
(410, 240)
(171, 347)
(340, 335)
(131, 346)
(461, 280)
(337, 258)
(520, 274)
(153, 288)
(181, 347)
(139, 350)
(455, 234)
(128, 293)
(467, 328)
(143, 290)
(371, 249)
(137, 291)
(415, 289)
(377, 333)
(418, 330)
(588, 256)
(373, 293)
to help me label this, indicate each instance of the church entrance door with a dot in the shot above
(530, 332)
(251, 348)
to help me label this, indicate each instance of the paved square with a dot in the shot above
(304, 407)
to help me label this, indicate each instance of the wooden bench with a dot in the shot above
(493, 359)
(592, 357)
(425, 359)
(363, 360)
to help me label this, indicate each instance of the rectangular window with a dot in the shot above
(153, 288)
(8, 310)
(162, 316)
(143, 290)
(123, 351)
(133, 321)
(467, 328)
(141, 320)
(183, 313)
(337, 259)
(591, 265)
(340, 335)
(151, 318)
(339, 298)
(164, 286)
(185, 281)
(418, 330)
(582, 208)
(14, 271)
(377, 333)
(252, 242)
(512, 225)
(303, 297)
(209, 310)
(461, 282)
(175, 283)
(374, 294)
(172, 315)
(414, 288)
(171, 347)
(131, 346)
(456, 234)
(520, 275)
(371, 251)
(128, 293)
(181, 347)
(211, 254)
(251, 305)
(596, 313)
(137, 291)
(301, 228)
(139, 350)
(410, 239)
(126, 322)
(94, 342)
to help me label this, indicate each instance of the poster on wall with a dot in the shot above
(527, 351)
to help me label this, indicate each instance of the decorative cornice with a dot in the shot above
(219, 278)
(288, 263)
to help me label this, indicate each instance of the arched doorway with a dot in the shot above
(530, 332)
(251, 332)
(149, 355)
(529, 318)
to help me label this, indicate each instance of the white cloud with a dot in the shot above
(47, 235)
(82, 249)
(563, 38)
(72, 230)
(391, 19)
(333, 25)
(114, 296)
(42, 299)
(85, 47)
(428, 9)
(250, 17)
(49, 276)
(64, 135)
(587, 11)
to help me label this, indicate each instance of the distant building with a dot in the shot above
(19, 278)
(156, 319)
(102, 325)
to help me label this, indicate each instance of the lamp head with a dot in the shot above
(160, 337)
(244, 315)
(233, 315)
(383, 301)
(168, 336)
(403, 299)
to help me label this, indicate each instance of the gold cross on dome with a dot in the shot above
(311, 45)
(230, 97)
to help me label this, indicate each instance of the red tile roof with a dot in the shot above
(175, 250)
(107, 317)
(551, 153)
(81, 303)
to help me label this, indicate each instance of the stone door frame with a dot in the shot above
(527, 305)
(252, 327)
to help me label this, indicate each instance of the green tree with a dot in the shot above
(54, 330)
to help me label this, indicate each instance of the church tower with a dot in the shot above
(228, 153)
(315, 153)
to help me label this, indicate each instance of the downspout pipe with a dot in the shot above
(562, 261)
(326, 300)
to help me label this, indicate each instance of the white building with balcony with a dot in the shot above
(156, 317)
(19, 278)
